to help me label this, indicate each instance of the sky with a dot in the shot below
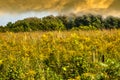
(13, 10)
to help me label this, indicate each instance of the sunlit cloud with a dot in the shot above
(60, 6)
(16, 8)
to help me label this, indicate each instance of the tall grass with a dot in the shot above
(60, 55)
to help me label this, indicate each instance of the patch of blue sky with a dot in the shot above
(9, 17)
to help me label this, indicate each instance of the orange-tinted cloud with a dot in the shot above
(60, 6)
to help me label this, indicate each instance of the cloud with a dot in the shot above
(115, 5)
(60, 6)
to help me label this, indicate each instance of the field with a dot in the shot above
(60, 55)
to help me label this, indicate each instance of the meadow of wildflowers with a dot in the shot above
(60, 55)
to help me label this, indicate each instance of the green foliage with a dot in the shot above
(113, 69)
(52, 23)
(71, 68)
(87, 27)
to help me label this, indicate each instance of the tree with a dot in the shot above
(111, 22)
(52, 23)
(97, 21)
(9, 24)
(65, 21)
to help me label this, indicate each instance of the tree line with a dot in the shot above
(50, 23)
